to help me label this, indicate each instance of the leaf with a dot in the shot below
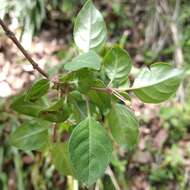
(117, 65)
(85, 79)
(39, 89)
(101, 99)
(157, 84)
(79, 108)
(90, 31)
(61, 159)
(124, 126)
(24, 107)
(125, 95)
(86, 60)
(67, 77)
(31, 136)
(90, 151)
(58, 112)
(122, 85)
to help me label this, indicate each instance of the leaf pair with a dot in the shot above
(86, 157)
(33, 105)
(90, 148)
(153, 85)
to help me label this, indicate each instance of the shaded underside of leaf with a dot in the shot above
(158, 83)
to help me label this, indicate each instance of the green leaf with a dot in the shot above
(90, 151)
(39, 89)
(58, 112)
(125, 95)
(79, 108)
(89, 60)
(122, 85)
(85, 79)
(90, 31)
(24, 107)
(31, 136)
(67, 77)
(61, 159)
(117, 65)
(101, 99)
(158, 83)
(124, 126)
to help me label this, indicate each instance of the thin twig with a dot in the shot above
(120, 97)
(54, 133)
(113, 91)
(88, 107)
(11, 35)
(97, 186)
(107, 89)
(110, 90)
(113, 178)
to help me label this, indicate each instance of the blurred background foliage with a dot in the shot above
(151, 31)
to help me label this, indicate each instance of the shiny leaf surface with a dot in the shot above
(90, 31)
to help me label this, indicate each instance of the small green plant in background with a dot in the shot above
(82, 115)
(170, 168)
(178, 126)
